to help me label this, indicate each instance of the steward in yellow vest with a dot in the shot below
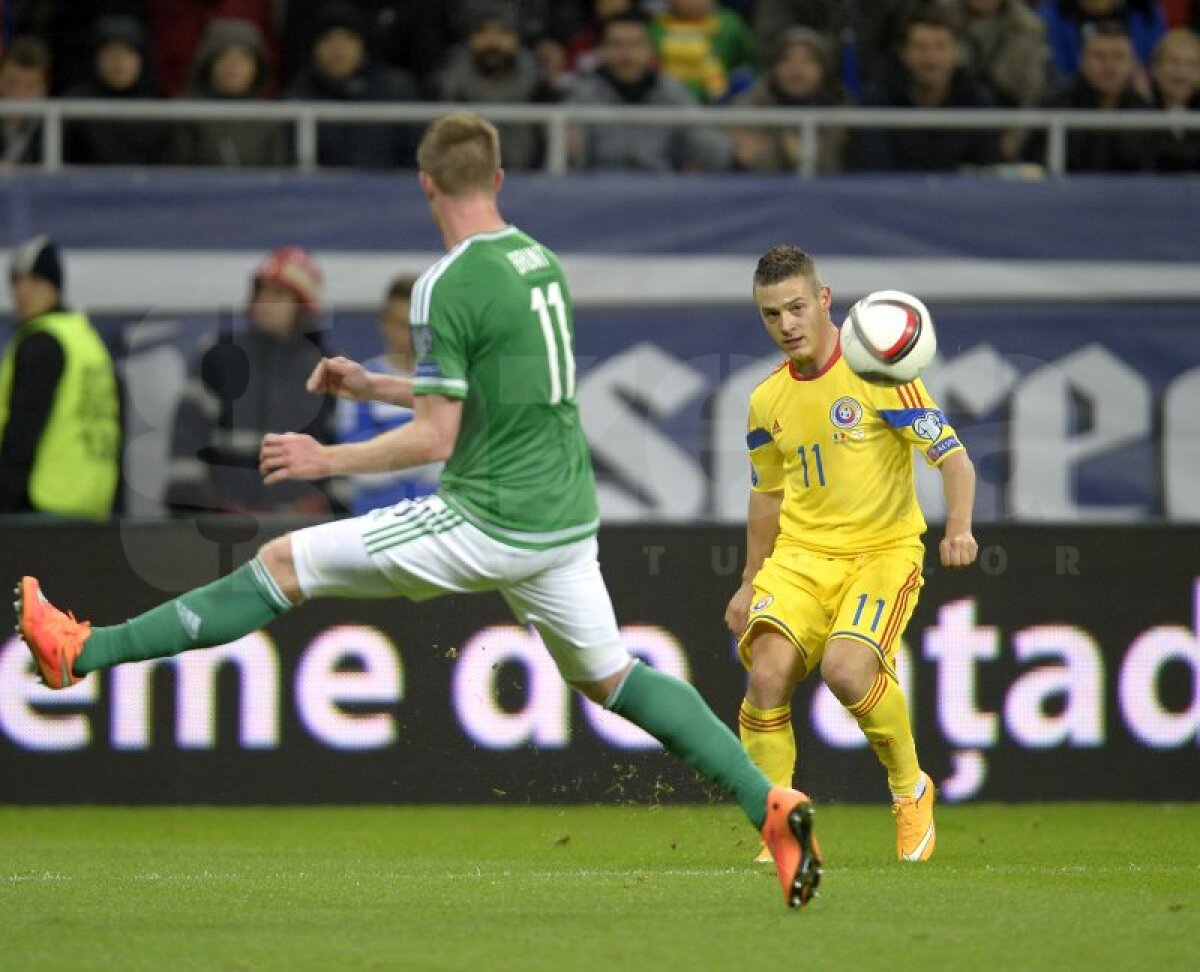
(60, 411)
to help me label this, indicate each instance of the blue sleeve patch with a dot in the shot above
(429, 368)
(757, 438)
(939, 449)
(898, 417)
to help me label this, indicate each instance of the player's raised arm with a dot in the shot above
(348, 379)
(762, 528)
(429, 437)
(958, 548)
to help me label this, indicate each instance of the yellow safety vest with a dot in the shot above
(77, 463)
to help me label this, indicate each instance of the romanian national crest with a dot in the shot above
(846, 412)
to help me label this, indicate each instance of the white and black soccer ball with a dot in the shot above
(887, 338)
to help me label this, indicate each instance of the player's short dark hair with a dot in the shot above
(635, 17)
(401, 288)
(782, 262)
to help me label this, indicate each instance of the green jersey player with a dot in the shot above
(493, 397)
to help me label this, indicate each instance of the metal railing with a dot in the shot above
(307, 116)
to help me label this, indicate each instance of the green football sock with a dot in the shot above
(215, 614)
(673, 712)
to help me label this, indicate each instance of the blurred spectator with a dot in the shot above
(359, 421)
(24, 75)
(179, 27)
(1004, 44)
(865, 32)
(800, 76)
(582, 47)
(929, 76)
(1106, 71)
(342, 68)
(60, 409)
(247, 384)
(708, 48)
(231, 66)
(407, 34)
(1175, 85)
(493, 66)
(628, 76)
(120, 70)
(1068, 22)
(67, 28)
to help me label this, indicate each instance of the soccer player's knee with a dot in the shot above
(772, 678)
(276, 556)
(848, 670)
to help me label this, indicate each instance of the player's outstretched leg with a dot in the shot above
(673, 712)
(66, 650)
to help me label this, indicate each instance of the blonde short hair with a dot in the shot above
(460, 152)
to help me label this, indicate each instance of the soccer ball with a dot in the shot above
(887, 338)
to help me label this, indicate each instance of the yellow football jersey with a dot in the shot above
(841, 450)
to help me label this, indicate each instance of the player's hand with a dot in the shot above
(958, 548)
(342, 378)
(292, 456)
(738, 611)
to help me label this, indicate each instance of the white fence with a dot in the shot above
(306, 117)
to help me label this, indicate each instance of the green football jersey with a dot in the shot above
(492, 325)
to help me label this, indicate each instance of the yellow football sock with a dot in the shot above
(768, 738)
(882, 715)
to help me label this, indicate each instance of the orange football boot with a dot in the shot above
(788, 835)
(54, 638)
(916, 835)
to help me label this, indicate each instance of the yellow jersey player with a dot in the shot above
(834, 553)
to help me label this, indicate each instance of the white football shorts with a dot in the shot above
(421, 548)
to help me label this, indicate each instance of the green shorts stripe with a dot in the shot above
(415, 525)
(409, 516)
(445, 520)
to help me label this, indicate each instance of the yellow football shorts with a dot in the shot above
(810, 599)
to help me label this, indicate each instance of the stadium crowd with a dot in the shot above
(1101, 55)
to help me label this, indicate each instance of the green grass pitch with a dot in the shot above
(1063, 886)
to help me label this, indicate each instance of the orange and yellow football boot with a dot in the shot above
(788, 835)
(916, 836)
(54, 638)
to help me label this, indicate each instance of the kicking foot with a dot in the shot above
(788, 835)
(54, 638)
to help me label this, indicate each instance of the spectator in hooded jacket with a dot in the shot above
(247, 384)
(232, 65)
(121, 70)
(343, 68)
(800, 76)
